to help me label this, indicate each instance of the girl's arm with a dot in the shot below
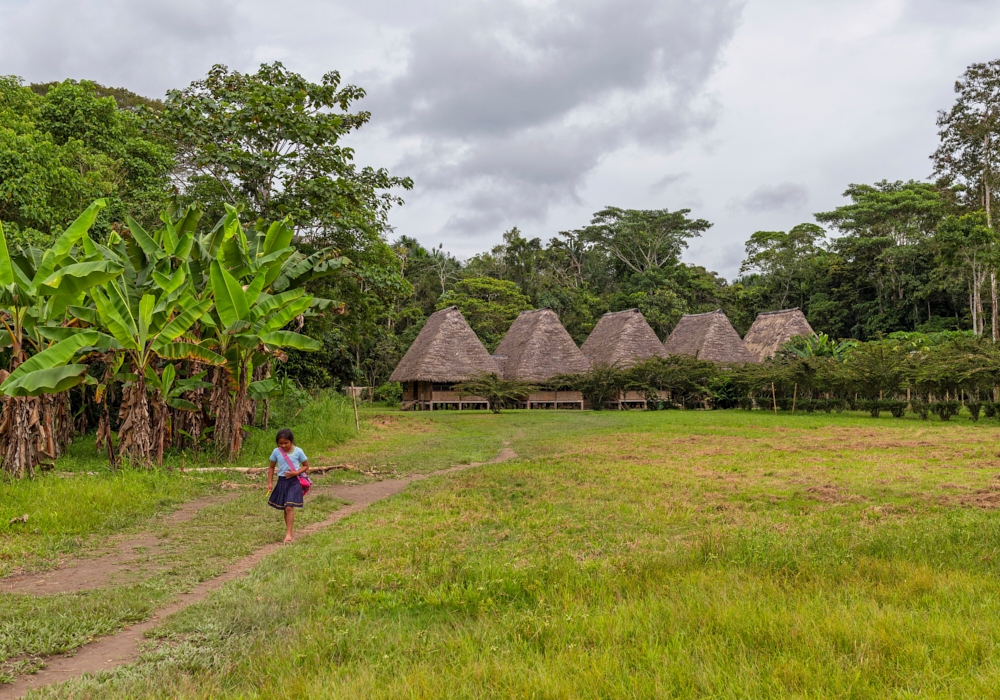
(270, 476)
(305, 467)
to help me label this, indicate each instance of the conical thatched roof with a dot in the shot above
(773, 329)
(537, 348)
(623, 338)
(708, 337)
(446, 350)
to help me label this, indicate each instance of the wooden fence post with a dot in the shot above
(354, 398)
(774, 398)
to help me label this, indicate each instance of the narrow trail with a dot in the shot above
(87, 574)
(122, 648)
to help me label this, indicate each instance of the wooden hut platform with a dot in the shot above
(446, 352)
(537, 348)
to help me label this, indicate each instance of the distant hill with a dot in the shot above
(126, 99)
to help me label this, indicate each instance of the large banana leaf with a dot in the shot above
(54, 356)
(171, 282)
(288, 339)
(69, 238)
(285, 315)
(6, 271)
(270, 304)
(187, 351)
(264, 389)
(123, 332)
(150, 247)
(79, 277)
(53, 380)
(183, 321)
(230, 299)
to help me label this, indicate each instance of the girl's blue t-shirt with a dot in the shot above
(296, 457)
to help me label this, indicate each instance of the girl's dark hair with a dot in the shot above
(285, 434)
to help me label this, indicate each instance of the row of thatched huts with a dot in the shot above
(537, 348)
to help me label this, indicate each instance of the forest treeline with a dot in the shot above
(898, 256)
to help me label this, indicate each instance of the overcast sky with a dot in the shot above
(535, 113)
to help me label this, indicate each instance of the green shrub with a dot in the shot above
(896, 408)
(390, 393)
(745, 403)
(990, 408)
(873, 407)
(945, 409)
(921, 408)
(784, 404)
(974, 408)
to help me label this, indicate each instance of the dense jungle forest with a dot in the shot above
(919, 255)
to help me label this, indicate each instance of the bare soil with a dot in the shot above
(118, 649)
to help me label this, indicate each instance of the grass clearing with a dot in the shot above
(688, 554)
(76, 511)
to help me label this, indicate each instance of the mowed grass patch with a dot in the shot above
(681, 554)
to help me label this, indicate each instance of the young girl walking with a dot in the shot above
(287, 493)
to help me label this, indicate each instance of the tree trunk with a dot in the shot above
(19, 423)
(64, 421)
(135, 432)
(220, 408)
(241, 413)
(993, 302)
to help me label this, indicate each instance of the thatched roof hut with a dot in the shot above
(537, 348)
(708, 336)
(622, 338)
(773, 329)
(446, 351)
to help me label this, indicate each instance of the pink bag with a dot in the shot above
(303, 479)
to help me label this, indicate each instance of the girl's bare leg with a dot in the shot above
(289, 521)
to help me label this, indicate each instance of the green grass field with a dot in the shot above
(661, 554)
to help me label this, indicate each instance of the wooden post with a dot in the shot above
(354, 399)
(795, 395)
(774, 398)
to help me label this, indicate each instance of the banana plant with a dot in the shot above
(249, 326)
(149, 325)
(168, 392)
(37, 289)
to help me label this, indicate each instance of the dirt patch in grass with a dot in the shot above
(831, 493)
(986, 499)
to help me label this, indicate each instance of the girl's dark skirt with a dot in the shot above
(287, 493)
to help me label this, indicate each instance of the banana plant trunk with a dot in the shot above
(18, 426)
(64, 421)
(241, 413)
(220, 408)
(159, 412)
(135, 432)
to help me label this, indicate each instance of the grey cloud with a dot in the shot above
(786, 196)
(514, 105)
(144, 46)
(668, 181)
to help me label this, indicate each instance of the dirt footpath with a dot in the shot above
(115, 650)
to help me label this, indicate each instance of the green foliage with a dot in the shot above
(489, 305)
(945, 410)
(271, 142)
(63, 149)
(499, 392)
(600, 385)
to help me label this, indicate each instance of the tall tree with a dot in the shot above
(643, 240)
(270, 141)
(969, 153)
(783, 257)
